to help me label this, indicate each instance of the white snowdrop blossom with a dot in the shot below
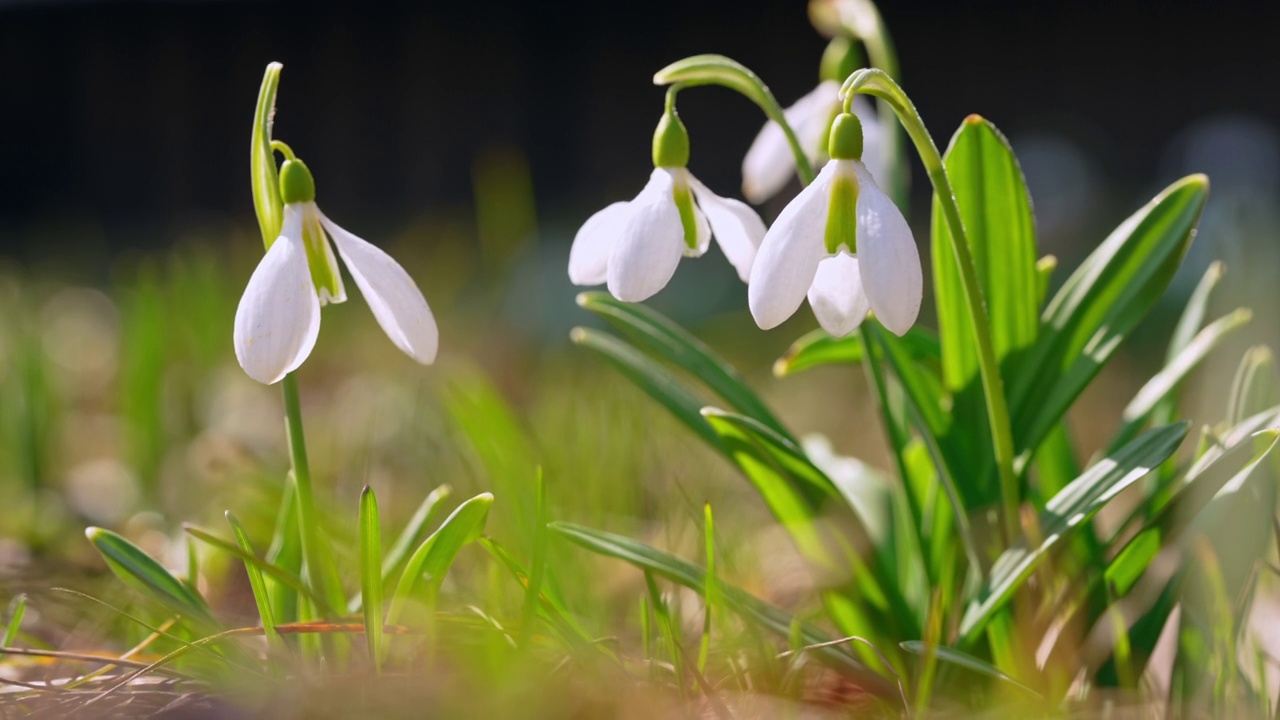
(843, 243)
(769, 164)
(634, 247)
(278, 318)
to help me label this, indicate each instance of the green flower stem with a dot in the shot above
(726, 72)
(322, 576)
(878, 84)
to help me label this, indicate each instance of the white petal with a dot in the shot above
(394, 298)
(589, 255)
(278, 318)
(651, 245)
(836, 295)
(737, 228)
(873, 155)
(789, 254)
(887, 257)
(769, 163)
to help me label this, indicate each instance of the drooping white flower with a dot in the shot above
(842, 243)
(278, 318)
(769, 164)
(635, 246)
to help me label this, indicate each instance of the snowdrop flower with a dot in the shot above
(279, 314)
(844, 244)
(634, 247)
(769, 164)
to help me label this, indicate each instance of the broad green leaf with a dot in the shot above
(413, 532)
(433, 558)
(262, 163)
(1064, 514)
(662, 338)
(139, 571)
(966, 661)
(371, 574)
(996, 211)
(651, 378)
(256, 582)
(17, 609)
(820, 348)
(732, 598)
(1099, 305)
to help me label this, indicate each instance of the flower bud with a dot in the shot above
(296, 183)
(670, 141)
(845, 140)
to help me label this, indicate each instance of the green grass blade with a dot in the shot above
(670, 633)
(269, 570)
(1099, 305)
(256, 582)
(709, 595)
(732, 598)
(142, 573)
(371, 574)
(552, 608)
(285, 552)
(538, 564)
(966, 661)
(1167, 380)
(661, 338)
(651, 378)
(818, 348)
(17, 609)
(431, 561)
(1254, 387)
(1193, 314)
(1064, 514)
(413, 532)
(996, 210)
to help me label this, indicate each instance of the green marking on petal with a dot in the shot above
(321, 261)
(688, 218)
(842, 212)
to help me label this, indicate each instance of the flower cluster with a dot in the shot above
(842, 242)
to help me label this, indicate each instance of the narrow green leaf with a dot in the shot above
(412, 534)
(1192, 353)
(819, 348)
(732, 598)
(550, 605)
(1099, 305)
(1254, 387)
(1194, 313)
(670, 633)
(371, 574)
(966, 661)
(433, 558)
(662, 338)
(262, 163)
(256, 582)
(1044, 273)
(139, 571)
(651, 378)
(270, 570)
(17, 609)
(996, 210)
(1064, 514)
(285, 552)
(709, 596)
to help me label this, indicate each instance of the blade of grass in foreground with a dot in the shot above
(256, 581)
(371, 574)
(436, 554)
(734, 599)
(17, 608)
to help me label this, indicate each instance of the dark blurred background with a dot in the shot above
(131, 117)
